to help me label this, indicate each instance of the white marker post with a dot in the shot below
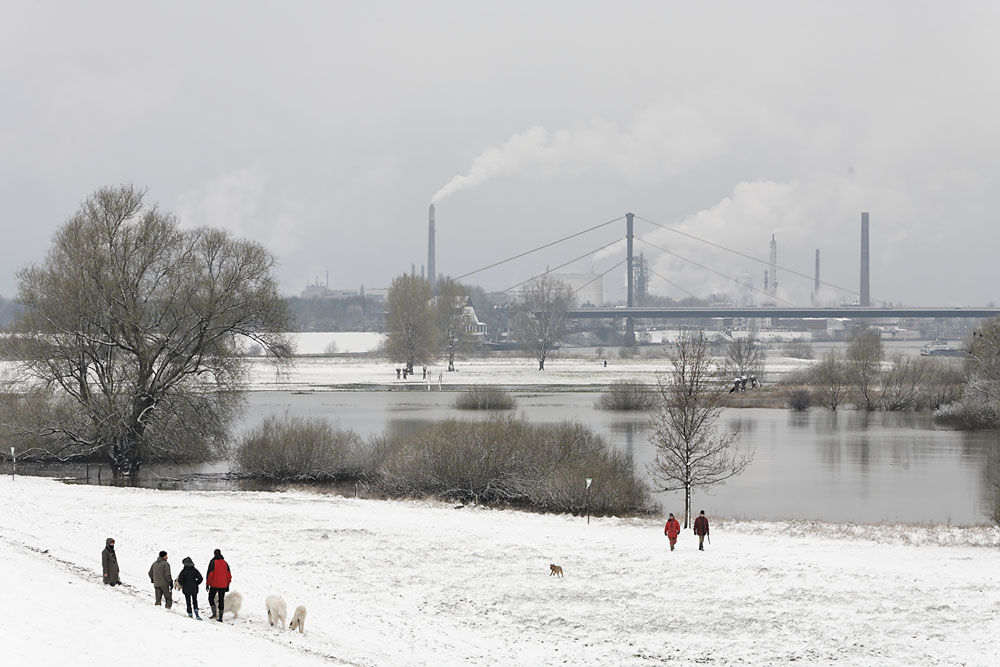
(589, 480)
(13, 467)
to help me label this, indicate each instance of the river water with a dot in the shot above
(843, 466)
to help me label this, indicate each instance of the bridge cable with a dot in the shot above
(750, 257)
(702, 266)
(667, 280)
(576, 259)
(541, 247)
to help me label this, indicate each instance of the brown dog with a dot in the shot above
(555, 569)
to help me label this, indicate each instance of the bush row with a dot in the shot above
(503, 461)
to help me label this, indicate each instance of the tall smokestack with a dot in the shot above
(866, 299)
(816, 283)
(431, 271)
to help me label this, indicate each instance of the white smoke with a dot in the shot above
(660, 141)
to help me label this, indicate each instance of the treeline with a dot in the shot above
(501, 461)
(864, 377)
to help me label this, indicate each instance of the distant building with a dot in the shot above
(320, 291)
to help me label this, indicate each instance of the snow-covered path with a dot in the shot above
(412, 583)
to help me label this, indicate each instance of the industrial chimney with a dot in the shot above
(431, 270)
(865, 277)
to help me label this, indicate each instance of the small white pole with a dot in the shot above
(589, 480)
(13, 468)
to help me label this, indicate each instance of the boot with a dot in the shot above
(219, 619)
(196, 614)
(190, 615)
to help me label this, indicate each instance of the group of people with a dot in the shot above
(740, 383)
(673, 529)
(217, 580)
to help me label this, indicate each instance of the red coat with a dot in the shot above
(672, 529)
(701, 525)
(218, 575)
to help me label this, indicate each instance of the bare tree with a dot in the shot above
(410, 320)
(745, 356)
(540, 316)
(864, 362)
(131, 335)
(452, 320)
(902, 382)
(830, 378)
(691, 452)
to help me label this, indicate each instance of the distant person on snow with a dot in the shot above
(217, 580)
(701, 529)
(109, 563)
(753, 381)
(672, 530)
(190, 579)
(736, 385)
(743, 383)
(159, 576)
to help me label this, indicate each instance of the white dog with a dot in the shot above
(298, 619)
(277, 612)
(233, 603)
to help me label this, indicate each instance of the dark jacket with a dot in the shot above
(189, 578)
(159, 574)
(218, 574)
(701, 525)
(109, 563)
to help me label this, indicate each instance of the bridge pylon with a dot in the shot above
(629, 322)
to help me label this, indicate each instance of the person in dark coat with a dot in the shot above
(159, 575)
(217, 580)
(672, 530)
(701, 529)
(109, 563)
(190, 579)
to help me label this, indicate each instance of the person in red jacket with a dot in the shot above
(217, 580)
(701, 529)
(672, 530)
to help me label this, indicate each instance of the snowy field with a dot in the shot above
(413, 583)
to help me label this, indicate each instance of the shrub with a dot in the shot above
(298, 449)
(505, 460)
(627, 395)
(799, 399)
(798, 349)
(485, 398)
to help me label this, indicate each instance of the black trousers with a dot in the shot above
(217, 607)
(192, 600)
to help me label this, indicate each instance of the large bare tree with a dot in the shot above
(453, 321)
(540, 316)
(410, 320)
(129, 343)
(691, 452)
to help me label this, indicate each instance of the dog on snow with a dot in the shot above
(277, 611)
(298, 619)
(233, 603)
(555, 569)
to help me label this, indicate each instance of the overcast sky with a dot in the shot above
(325, 129)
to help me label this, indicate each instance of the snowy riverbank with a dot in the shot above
(410, 583)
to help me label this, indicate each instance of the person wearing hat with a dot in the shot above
(159, 576)
(189, 580)
(672, 530)
(701, 529)
(217, 580)
(109, 563)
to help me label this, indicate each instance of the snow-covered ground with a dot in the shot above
(414, 583)
(317, 373)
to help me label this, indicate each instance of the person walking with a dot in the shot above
(217, 580)
(159, 575)
(701, 529)
(190, 580)
(672, 530)
(109, 563)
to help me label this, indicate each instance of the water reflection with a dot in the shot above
(839, 466)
